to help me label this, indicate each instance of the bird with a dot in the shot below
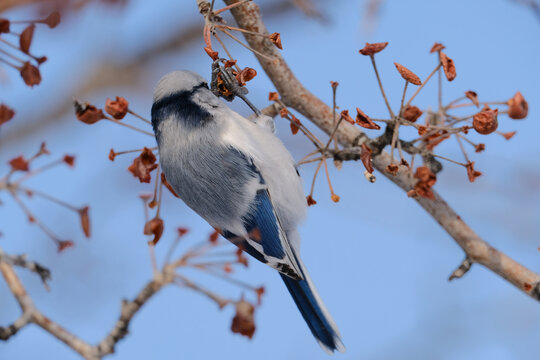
(238, 176)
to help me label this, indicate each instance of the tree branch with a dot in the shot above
(30, 314)
(294, 95)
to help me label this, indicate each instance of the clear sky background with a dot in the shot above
(380, 263)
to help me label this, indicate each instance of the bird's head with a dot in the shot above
(177, 82)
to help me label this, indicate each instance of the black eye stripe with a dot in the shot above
(182, 106)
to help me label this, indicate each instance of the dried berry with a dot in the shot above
(243, 322)
(69, 160)
(392, 169)
(471, 173)
(87, 113)
(473, 96)
(364, 121)
(408, 75)
(25, 40)
(426, 180)
(52, 20)
(154, 227)
(436, 47)
(276, 40)
(366, 158)
(295, 124)
(411, 113)
(30, 74)
(19, 164)
(246, 75)
(518, 107)
(6, 113)
(273, 96)
(485, 122)
(143, 164)
(345, 115)
(118, 108)
(85, 220)
(448, 67)
(371, 49)
(4, 26)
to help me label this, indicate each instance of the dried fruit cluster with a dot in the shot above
(202, 256)
(16, 53)
(439, 125)
(13, 183)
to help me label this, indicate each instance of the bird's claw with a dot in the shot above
(229, 88)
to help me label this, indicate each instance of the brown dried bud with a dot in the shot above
(118, 108)
(485, 122)
(426, 180)
(143, 164)
(365, 156)
(276, 40)
(246, 75)
(112, 155)
(295, 124)
(87, 113)
(471, 173)
(182, 231)
(214, 236)
(407, 74)
(52, 20)
(240, 258)
(480, 147)
(392, 169)
(518, 107)
(64, 244)
(437, 47)
(213, 54)
(335, 198)
(260, 292)
(283, 112)
(436, 139)
(30, 74)
(371, 49)
(310, 200)
(411, 113)
(448, 67)
(19, 164)
(422, 130)
(4, 26)
(364, 121)
(243, 322)
(508, 135)
(154, 227)
(25, 40)
(43, 150)
(69, 160)
(273, 96)
(6, 114)
(167, 185)
(85, 220)
(473, 96)
(345, 115)
(334, 84)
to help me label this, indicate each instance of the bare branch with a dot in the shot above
(296, 96)
(20, 260)
(130, 308)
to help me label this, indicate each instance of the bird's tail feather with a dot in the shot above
(314, 312)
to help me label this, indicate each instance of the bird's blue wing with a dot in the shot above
(266, 241)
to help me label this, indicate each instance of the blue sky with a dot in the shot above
(379, 262)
